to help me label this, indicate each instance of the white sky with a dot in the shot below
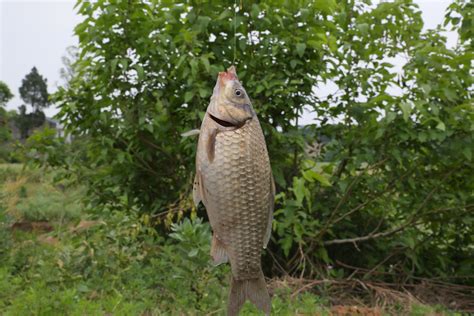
(37, 33)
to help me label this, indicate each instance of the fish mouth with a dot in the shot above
(222, 122)
(225, 76)
(230, 74)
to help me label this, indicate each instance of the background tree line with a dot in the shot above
(34, 93)
(389, 193)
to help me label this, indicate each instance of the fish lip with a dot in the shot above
(227, 124)
(230, 74)
(221, 122)
(224, 77)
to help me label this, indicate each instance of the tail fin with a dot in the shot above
(254, 290)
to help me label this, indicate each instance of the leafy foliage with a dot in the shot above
(34, 90)
(387, 188)
(5, 94)
(399, 200)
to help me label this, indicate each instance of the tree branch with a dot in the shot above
(369, 236)
(374, 235)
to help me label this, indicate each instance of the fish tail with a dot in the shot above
(254, 290)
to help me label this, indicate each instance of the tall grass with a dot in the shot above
(29, 195)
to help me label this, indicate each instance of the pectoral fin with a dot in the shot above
(211, 144)
(192, 132)
(218, 252)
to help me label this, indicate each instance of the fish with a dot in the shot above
(234, 181)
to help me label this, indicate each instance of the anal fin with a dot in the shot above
(218, 252)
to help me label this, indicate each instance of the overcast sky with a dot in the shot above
(37, 33)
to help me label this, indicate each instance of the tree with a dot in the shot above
(34, 92)
(390, 192)
(67, 72)
(5, 94)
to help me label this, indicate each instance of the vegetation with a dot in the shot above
(374, 198)
(5, 134)
(34, 92)
(71, 261)
(5, 94)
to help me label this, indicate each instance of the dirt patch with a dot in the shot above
(362, 297)
(48, 240)
(84, 225)
(37, 227)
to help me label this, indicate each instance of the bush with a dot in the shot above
(388, 192)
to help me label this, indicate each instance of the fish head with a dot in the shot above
(229, 101)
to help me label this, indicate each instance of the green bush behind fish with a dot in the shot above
(379, 182)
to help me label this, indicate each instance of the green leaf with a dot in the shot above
(332, 43)
(300, 48)
(467, 153)
(204, 92)
(363, 28)
(113, 65)
(326, 6)
(188, 96)
(323, 254)
(225, 14)
(206, 64)
(255, 11)
(390, 116)
(193, 253)
(124, 63)
(406, 109)
(298, 189)
(441, 126)
(450, 93)
(286, 244)
(312, 175)
(180, 61)
(140, 72)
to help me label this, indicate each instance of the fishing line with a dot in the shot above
(235, 28)
(235, 31)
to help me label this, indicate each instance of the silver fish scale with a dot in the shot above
(237, 185)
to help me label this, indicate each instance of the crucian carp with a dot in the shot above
(235, 183)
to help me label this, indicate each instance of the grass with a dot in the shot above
(112, 263)
(30, 195)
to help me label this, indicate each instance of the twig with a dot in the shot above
(389, 187)
(276, 261)
(392, 231)
(367, 237)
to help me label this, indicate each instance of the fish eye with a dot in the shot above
(238, 92)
